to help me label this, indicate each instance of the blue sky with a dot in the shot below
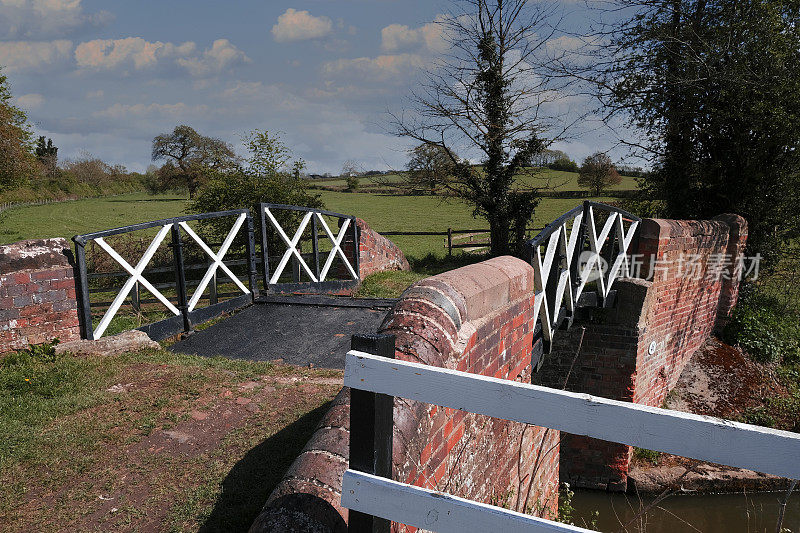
(107, 76)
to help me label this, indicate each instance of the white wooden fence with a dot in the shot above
(699, 437)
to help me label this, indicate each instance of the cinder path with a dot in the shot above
(298, 330)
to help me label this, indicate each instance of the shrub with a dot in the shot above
(352, 183)
(565, 163)
(765, 333)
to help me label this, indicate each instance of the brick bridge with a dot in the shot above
(479, 318)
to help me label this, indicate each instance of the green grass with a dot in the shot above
(67, 219)
(428, 213)
(67, 439)
(556, 180)
(382, 212)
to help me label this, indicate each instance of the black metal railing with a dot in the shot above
(170, 287)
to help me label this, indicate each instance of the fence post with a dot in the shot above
(449, 241)
(136, 300)
(371, 422)
(83, 281)
(357, 253)
(180, 276)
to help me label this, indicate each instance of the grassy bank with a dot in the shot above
(148, 441)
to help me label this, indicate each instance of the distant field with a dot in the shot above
(553, 179)
(382, 212)
(83, 216)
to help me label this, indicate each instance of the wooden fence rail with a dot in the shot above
(699, 437)
(454, 235)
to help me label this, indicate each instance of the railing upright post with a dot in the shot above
(371, 422)
(252, 270)
(574, 266)
(83, 283)
(180, 276)
(357, 249)
(264, 247)
(315, 244)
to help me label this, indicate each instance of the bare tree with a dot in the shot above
(490, 99)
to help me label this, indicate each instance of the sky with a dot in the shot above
(106, 76)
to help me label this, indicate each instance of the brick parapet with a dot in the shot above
(478, 319)
(37, 294)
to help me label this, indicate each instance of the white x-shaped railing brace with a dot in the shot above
(337, 248)
(136, 276)
(542, 270)
(291, 246)
(595, 246)
(216, 259)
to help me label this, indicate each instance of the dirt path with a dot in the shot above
(204, 455)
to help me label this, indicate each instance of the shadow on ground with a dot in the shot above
(250, 482)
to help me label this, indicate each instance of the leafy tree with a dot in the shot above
(487, 96)
(353, 183)
(714, 87)
(191, 158)
(598, 173)
(92, 170)
(264, 177)
(430, 166)
(564, 164)
(47, 154)
(17, 161)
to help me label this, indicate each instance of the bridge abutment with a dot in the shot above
(637, 350)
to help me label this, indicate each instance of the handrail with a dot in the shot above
(565, 260)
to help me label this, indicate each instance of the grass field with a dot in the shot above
(83, 216)
(383, 212)
(555, 179)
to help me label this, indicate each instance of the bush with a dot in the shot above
(767, 334)
(565, 164)
(352, 183)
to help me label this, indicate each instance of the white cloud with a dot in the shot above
(381, 67)
(31, 55)
(42, 19)
(220, 56)
(131, 51)
(29, 101)
(121, 111)
(137, 53)
(296, 25)
(401, 37)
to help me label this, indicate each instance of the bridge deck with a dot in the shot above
(297, 329)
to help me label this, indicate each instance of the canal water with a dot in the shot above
(708, 513)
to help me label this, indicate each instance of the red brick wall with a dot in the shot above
(477, 319)
(377, 253)
(37, 294)
(674, 310)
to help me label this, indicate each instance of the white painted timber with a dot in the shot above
(291, 246)
(136, 276)
(436, 511)
(216, 259)
(337, 248)
(699, 437)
